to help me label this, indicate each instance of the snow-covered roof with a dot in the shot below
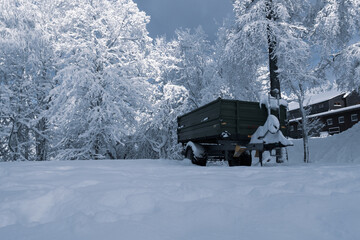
(316, 98)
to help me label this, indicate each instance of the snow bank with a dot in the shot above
(339, 148)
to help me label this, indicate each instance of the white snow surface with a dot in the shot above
(168, 199)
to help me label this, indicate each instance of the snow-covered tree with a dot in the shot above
(102, 48)
(194, 67)
(336, 29)
(25, 68)
(217, 83)
(156, 136)
(347, 68)
(270, 33)
(5, 122)
(336, 23)
(161, 131)
(164, 61)
(182, 68)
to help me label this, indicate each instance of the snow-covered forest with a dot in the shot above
(82, 79)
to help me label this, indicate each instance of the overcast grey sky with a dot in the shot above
(168, 15)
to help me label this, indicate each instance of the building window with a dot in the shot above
(292, 128)
(334, 130)
(321, 105)
(341, 119)
(354, 118)
(329, 122)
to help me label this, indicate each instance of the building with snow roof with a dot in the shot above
(335, 111)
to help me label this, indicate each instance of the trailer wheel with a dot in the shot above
(246, 159)
(243, 160)
(197, 161)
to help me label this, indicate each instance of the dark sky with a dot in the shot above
(168, 15)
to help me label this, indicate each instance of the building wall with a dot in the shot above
(335, 103)
(352, 99)
(320, 107)
(342, 126)
(331, 127)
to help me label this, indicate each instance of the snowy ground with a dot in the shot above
(164, 199)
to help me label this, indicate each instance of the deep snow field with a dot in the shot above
(169, 199)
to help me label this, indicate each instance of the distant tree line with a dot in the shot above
(82, 79)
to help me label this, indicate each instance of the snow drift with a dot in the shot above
(339, 148)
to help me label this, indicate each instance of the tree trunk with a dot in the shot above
(273, 63)
(97, 148)
(26, 141)
(41, 143)
(304, 131)
(15, 141)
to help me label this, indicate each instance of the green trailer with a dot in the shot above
(222, 129)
